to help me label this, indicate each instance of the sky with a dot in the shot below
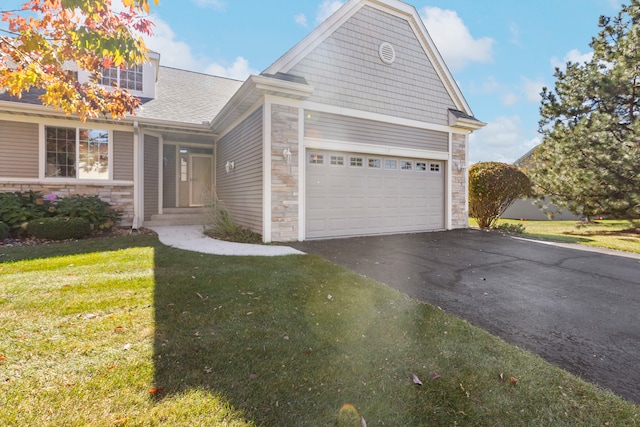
(500, 52)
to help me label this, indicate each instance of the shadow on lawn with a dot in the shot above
(265, 335)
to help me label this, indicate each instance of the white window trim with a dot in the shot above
(62, 180)
(337, 156)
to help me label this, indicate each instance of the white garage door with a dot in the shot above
(352, 194)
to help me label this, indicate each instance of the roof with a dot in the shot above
(182, 96)
(187, 97)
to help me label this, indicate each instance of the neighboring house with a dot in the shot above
(533, 209)
(359, 129)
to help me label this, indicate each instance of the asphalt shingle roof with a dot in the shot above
(187, 96)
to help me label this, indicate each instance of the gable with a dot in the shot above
(346, 70)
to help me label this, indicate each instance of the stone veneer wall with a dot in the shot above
(284, 177)
(120, 197)
(459, 212)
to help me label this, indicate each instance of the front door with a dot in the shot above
(201, 179)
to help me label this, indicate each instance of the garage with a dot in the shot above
(353, 194)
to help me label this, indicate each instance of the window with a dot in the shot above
(337, 160)
(375, 163)
(127, 78)
(390, 164)
(316, 159)
(183, 169)
(406, 165)
(421, 166)
(434, 167)
(356, 162)
(76, 153)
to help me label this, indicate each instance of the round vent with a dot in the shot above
(387, 53)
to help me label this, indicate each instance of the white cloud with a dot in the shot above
(515, 34)
(301, 19)
(326, 9)
(174, 53)
(502, 140)
(509, 99)
(572, 56)
(215, 4)
(532, 89)
(239, 70)
(178, 54)
(454, 41)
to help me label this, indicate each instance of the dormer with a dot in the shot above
(140, 80)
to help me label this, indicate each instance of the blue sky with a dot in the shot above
(501, 52)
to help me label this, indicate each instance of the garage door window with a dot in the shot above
(375, 163)
(406, 165)
(356, 162)
(391, 164)
(316, 159)
(434, 167)
(337, 161)
(421, 167)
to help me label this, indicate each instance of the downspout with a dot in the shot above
(138, 178)
(449, 213)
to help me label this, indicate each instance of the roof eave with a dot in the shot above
(254, 88)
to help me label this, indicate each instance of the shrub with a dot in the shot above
(511, 228)
(20, 207)
(221, 225)
(4, 230)
(493, 187)
(59, 228)
(91, 208)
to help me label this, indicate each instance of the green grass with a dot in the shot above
(610, 234)
(126, 331)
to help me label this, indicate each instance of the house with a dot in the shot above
(533, 209)
(359, 129)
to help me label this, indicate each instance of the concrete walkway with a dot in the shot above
(192, 238)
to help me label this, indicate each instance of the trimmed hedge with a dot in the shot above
(59, 228)
(4, 230)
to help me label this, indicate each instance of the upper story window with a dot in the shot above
(76, 153)
(127, 78)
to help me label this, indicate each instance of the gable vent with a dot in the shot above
(387, 53)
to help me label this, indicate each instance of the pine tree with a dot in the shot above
(589, 161)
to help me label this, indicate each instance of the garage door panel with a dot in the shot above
(350, 200)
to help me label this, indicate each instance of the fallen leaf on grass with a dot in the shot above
(435, 377)
(513, 381)
(416, 380)
(118, 329)
(90, 316)
(2, 358)
(127, 347)
(253, 376)
(120, 422)
(308, 351)
(112, 315)
(501, 377)
(155, 391)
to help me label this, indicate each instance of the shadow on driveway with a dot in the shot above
(578, 309)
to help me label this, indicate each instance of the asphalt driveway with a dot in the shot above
(577, 309)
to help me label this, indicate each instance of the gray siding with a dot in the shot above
(241, 189)
(122, 156)
(19, 150)
(151, 187)
(346, 71)
(169, 176)
(349, 129)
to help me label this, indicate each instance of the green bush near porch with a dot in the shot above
(20, 208)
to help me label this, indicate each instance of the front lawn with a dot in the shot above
(126, 332)
(610, 234)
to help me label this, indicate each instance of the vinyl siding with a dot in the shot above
(346, 70)
(151, 187)
(19, 150)
(122, 156)
(169, 176)
(349, 129)
(241, 189)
